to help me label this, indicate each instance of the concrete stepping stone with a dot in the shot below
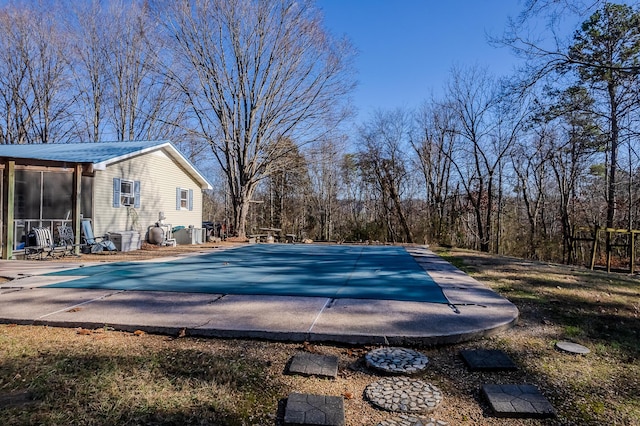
(518, 401)
(487, 360)
(572, 348)
(402, 394)
(308, 364)
(306, 409)
(411, 420)
(396, 360)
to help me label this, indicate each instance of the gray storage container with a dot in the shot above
(188, 236)
(126, 240)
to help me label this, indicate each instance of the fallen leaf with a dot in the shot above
(182, 332)
(83, 331)
(355, 352)
(139, 333)
(348, 395)
(74, 309)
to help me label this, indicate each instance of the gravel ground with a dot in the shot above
(462, 403)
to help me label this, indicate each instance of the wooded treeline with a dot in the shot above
(256, 94)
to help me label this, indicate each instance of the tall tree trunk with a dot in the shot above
(240, 218)
(395, 197)
(614, 131)
(611, 186)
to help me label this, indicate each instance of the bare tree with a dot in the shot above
(49, 80)
(355, 196)
(89, 67)
(13, 78)
(570, 156)
(324, 172)
(383, 160)
(253, 72)
(287, 189)
(122, 92)
(432, 141)
(486, 128)
(33, 78)
(141, 99)
(529, 158)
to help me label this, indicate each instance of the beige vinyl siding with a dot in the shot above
(159, 177)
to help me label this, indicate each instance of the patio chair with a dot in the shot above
(39, 244)
(67, 240)
(96, 244)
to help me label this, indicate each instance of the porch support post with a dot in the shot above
(77, 189)
(8, 195)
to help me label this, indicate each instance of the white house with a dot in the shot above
(120, 186)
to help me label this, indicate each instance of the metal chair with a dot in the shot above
(39, 243)
(67, 240)
(96, 244)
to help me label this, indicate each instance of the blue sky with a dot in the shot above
(408, 47)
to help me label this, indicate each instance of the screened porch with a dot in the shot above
(44, 198)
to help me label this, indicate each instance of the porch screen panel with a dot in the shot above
(57, 196)
(86, 207)
(27, 195)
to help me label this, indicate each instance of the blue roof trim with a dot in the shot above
(99, 154)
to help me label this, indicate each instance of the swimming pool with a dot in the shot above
(311, 270)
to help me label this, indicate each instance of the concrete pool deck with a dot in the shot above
(473, 311)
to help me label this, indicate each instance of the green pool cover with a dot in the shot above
(338, 271)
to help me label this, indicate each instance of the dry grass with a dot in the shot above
(592, 308)
(58, 376)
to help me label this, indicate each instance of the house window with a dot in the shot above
(126, 193)
(184, 199)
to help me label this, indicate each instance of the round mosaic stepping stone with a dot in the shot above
(411, 420)
(402, 394)
(397, 360)
(573, 348)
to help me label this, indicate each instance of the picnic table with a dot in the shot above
(272, 233)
